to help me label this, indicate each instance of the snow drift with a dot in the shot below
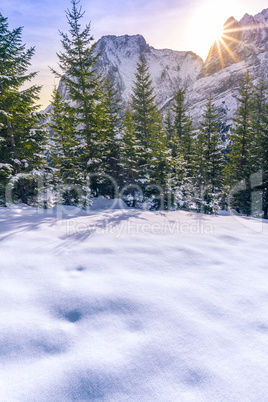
(126, 305)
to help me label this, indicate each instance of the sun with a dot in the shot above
(206, 25)
(217, 32)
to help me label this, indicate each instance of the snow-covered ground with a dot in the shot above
(127, 305)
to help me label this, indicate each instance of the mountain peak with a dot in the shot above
(123, 42)
(262, 17)
(125, 39)
(230, 21)
(247, 20)
(242, 50)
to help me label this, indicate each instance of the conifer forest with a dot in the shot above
(87, 146)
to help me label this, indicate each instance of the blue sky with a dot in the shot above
(174, 24)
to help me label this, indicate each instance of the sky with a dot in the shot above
(175, 24)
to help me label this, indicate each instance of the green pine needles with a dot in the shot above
(23, 141)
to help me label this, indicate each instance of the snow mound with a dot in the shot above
(128, 305)
(223, 212)
(101, 203)
(66, 210)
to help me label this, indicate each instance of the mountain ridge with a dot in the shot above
(222, 70)
(244, 48)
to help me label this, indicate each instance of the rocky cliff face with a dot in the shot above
(244, 47)
(169, 69)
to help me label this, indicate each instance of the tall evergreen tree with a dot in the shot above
(22, 140)
(95, 107)
(263, 141)
(209, 158)
(107, 144)
(169, 127)
(131, 152)
(260, 141)
(78, 70)
(146, 117)
(259, 103)
(159, 165)
(64, 149)
(182, 140)
(144, 109)
(181, 145)
(240, 162)
(149, 130)
(77, 64)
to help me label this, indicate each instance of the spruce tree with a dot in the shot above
(159, 165)
(107, 144)
(260, 141)
(64, 149)
(209, 158)
(22, 140)
(240, 159)
(144, 109)
(182, 140)
(169, 127)
(263, 155)
(77, 64)
(181, 147)
(259, 103)
(130, 155)
(149, 131)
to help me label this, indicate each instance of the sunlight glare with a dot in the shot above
(206, 25)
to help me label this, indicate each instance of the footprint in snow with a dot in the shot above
(72, 316)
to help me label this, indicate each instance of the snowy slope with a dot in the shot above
(220, 75)
(169, 69)
(245, 49)
(123, 305)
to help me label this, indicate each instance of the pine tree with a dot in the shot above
(130, 155)
(174, 165)
(144, 109)
(107, 147)
(260, 140)
(209, 158)
(181, 146)
(240, 162)
(77, 63)
(159, 166)
(259, 103)
(149, 131)
(22, 140)
(64, 149)
(263, 141)
(169, 127)
(182, 138)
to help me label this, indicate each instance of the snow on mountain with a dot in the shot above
(169, 69)
(245, 48)
(262, 17)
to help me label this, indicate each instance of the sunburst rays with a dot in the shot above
(229, 36)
